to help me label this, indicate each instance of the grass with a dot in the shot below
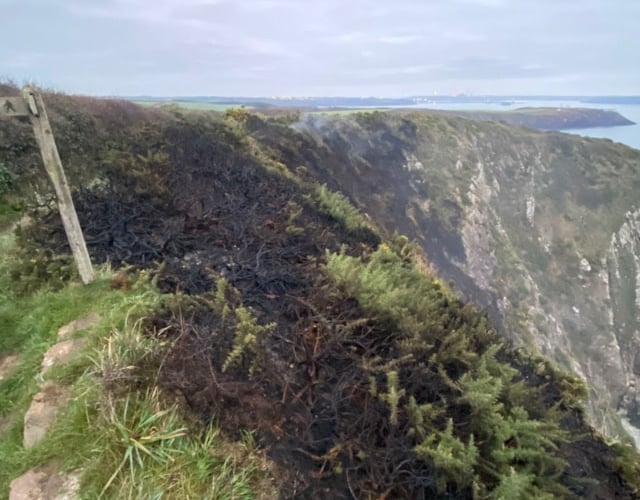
(125, 436)
(29, 326)
(152, 454)
(9, 212)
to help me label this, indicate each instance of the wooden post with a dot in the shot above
(34, 107)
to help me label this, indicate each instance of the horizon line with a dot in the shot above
(416, 96)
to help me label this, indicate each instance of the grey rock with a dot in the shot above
(45, 483)
(44, 409)
(61, 353)
(79, 324)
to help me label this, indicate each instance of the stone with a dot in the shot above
(585, 266)
(61, 353)
(45, 483)
(29, 486)
(530, 210)
(78, 324)
(43, 411)
(7, 364)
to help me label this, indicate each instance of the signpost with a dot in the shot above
(32, 105)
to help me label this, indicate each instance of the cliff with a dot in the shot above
(623, 268)
(521, 222)
(303, 262)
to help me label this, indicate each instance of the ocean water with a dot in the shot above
(629, 135)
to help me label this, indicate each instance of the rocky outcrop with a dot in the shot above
(52, 397)
(476, 230)
(623, 265)
(45, 483)
(45, 408)
(77, 325)
(61, 353)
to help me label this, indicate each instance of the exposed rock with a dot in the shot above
(29, 486)
(636, 364)
(531, 209)
(78, 324)
(623, 263)
(585, 267)
(61, 353)
(45, 483)
(7, 364)
(44, 409)
(413, 164)
(475, 234)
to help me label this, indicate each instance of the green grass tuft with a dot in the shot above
(118, 429)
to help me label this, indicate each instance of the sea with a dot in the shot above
(628, 134)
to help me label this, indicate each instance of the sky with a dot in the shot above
(386, 48)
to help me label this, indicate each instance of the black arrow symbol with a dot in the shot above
(8, 106)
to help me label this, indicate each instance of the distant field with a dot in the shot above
(349, 111)
(222, 107)
(203, 106)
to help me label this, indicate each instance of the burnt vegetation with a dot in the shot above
(289, 313)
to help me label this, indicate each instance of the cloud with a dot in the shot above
(269, 4)
(458, 35)
(347, 38)
(164, 11)
(483, 3)
(400, 39)
(272, 47)
(487, 68)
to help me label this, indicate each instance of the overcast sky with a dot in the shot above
(323, 47)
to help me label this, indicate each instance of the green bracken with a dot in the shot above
(491, 442)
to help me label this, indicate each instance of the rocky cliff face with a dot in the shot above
(538, 228)
(623, 265)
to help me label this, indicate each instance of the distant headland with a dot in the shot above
(548, 118)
